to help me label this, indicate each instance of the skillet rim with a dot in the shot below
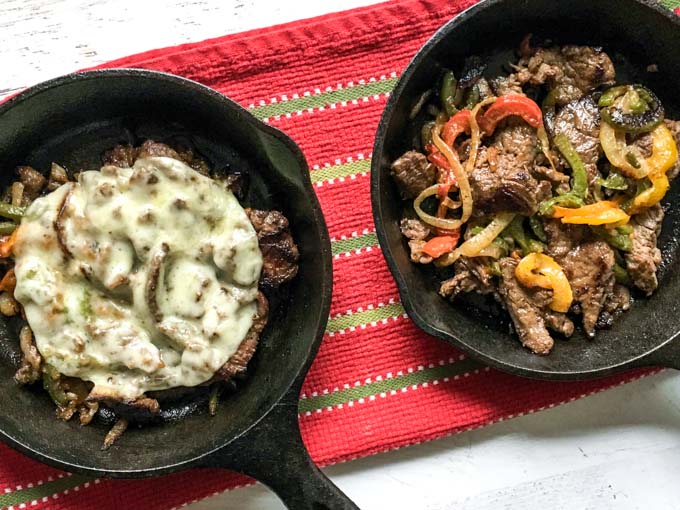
(201, 93)
(448, 31)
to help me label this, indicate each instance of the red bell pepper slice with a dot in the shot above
(506, 106)
(441, 245)
(456, 125)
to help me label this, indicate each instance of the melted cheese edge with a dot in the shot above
(138, 279)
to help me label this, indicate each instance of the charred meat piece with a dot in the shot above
(505, 183)
(562, 238)
(413, 228)
(237, 182)
(645, 257)
(31, 361)
(526, 314)
(151, 149)
(58, 176)
(471, 274)
(589, 269)
(122, 156)
(569, 71)
(506, 85)
(518, 139)
(588, 265)
(579, 121)
(618, 300)
(279, 251)
(413, 173)
(33, 181)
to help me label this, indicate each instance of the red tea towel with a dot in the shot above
(378, 382)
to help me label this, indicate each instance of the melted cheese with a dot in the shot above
(138, 279)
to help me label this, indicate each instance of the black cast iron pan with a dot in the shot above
(71, 120)
(636, 33)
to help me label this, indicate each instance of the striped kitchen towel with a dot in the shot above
(378, 382)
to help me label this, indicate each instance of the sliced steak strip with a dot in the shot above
(579, 121)
(413, 173)
(562, 238)
(506, 85)
(526, 315)
(413, 228)
(589, 269)
(645, 257)
(279, 251)
(504, 182)
(570, 71)
(122, 156)
(471, 274)
(618, 300)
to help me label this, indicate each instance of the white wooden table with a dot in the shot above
(618, 449)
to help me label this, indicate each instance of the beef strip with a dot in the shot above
(33, 181)
(279, 252)
(589, 269)
(569, 71)
(471, 274)
(413, 228)
(58, 177)
(526, 314)
(618, 300)
(122, 156)
(518, 139)
(413, 173)
(645, 257)
(562, 238)
(588, 265)
(151, 149)
(506, 85)
(504, 182)
(579, 121)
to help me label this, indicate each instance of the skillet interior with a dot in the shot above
(72, 120)
(635, 33)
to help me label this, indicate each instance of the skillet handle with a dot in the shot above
(273, 453)
(668, 356)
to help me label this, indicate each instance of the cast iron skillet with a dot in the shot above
(71, 120)
(636, 33)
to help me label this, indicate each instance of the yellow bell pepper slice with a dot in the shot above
(664, 155)
(540, 270)
(604, 212)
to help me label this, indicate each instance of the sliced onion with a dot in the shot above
(445, 223)
(614, 144)
(473, 246)
(459, 173)
(452, 204)
(475, 135)
(493, 251)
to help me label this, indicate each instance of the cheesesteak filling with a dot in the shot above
(138, 279)
(144, 276)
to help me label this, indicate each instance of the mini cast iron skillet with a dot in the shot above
(636, 33)
(72, 120)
